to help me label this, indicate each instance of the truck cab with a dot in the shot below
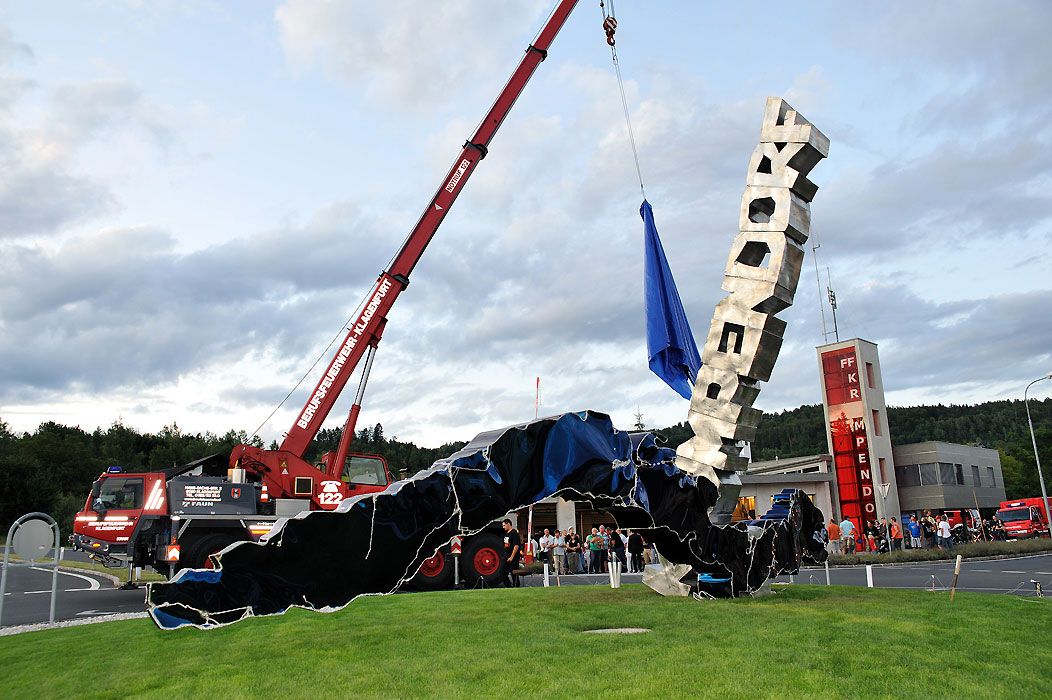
(1023, 518)
(114, 511)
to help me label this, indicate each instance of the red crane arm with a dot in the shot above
(363, 332)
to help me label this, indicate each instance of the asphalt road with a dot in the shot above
(27, 599)
(1012, 576)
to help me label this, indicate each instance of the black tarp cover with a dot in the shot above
(374, 543)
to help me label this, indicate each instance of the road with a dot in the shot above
(79, 594)
(991, 576)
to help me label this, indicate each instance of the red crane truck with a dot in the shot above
(180, 517)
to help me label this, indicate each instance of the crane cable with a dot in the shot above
(610, 26)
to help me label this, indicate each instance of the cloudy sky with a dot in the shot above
(195, 196)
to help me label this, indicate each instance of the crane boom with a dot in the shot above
(368, 327)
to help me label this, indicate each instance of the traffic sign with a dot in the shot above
(454, 545)
(172, 554)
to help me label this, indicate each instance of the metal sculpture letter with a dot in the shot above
(761, 277)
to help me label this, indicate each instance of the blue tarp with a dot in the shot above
(670, 344)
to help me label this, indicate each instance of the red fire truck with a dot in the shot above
(177, 519)
(1026, 517)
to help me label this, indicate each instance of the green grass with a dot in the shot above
(808, 641)
(970, 550)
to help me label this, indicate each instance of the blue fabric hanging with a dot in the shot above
(670, 344)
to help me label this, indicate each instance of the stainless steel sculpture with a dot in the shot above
(762, 272)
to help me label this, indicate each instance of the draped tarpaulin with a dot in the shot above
(374, 543)
(670, 344)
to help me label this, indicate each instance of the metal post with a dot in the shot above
(1033, 438)
(54, 577)
(3, 573)
(869, 576)
(827, 573)
(956, 573)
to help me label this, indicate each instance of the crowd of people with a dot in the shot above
(568, 553)
(925, 532)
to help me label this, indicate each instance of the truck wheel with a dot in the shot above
(199, 553)
(435, 573)
(482, 560)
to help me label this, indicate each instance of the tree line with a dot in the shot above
(51, 469)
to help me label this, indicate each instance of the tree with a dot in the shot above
(639, 425)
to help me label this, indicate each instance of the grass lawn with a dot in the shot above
(805, 641)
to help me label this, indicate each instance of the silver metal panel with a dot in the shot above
(761, 276)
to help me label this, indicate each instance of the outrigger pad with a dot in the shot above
(374, 543)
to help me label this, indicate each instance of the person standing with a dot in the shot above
(915, 532)
(833, 530)
(595, 544)
(636, 545)
(559, 552)
(546, 547)
(604, 550)
(896, 535)
(929, 527)
(945, 536)
(847, 531)
(512, 551)
(573, 552)
(617, 547)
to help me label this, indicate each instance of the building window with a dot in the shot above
(929, 474)
(869, 375)
(946, 474)
(990, 473)
(975, 476)
(959, 470)
(876, 422)
(907, 475)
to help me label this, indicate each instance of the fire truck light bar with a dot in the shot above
(115, 470)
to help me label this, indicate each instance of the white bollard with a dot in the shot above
(869, 575)
(827, 573)
(546, 584)
(615, 573)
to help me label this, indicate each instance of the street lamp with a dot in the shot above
(1040, 476)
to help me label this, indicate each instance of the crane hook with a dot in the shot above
(609, 22)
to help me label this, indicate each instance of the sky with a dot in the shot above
(196, 196)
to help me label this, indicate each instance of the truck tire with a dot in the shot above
(482, 561)
(435, 573)
(199, 552)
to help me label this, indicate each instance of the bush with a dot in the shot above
(968, 551)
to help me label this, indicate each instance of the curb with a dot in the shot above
(36, 627)
(922, 562)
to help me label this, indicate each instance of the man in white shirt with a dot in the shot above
(945, 536)
(546, 546)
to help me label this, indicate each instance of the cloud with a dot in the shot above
(122, 308)
(406, 55)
